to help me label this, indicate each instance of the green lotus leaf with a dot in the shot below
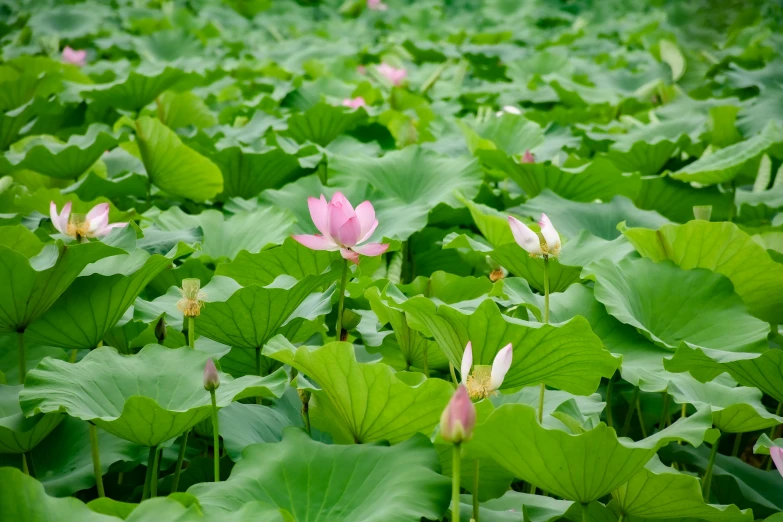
(36, 275)
(147, 398)
(69, 21)
(180, 109)
(136, 90)
(581, 467)
(675, 199)
(414, 176)
(566, 356)
(246, 171)
(646, 158)
(174, 167)
(363, 402)
(322, 123)
(508, 133)
(291, 258)
(659, 491)
(763, 371)
(728, 163)
(98, 299)
(244, 424)
(722, 248)
(51, 157)
(518, 507)
(92, 186)
(413, 346)
(19, 434)
(586, 410)
(252, 315)
(315, 481)
(225, 237)
(670, 305)
(764, 443)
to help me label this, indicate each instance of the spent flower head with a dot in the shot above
(192, 298)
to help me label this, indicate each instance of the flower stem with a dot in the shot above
(148, 478)
(183, 447)
(25, 468)
(343, 282)
(96, 459)
(707, 480)
(426, 365)
(455, 483)
(737, 441)
(631, 411)
(258, 370)
(306, 416)
(453, 374)
(641, 417)
(154, 476)
(192, 332)
(664, 411)
(216, 436)
(585, 513)
(476, 491)
(546, 321)
(609, 389)
(22, 358)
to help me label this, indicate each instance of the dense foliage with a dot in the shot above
(310, 261)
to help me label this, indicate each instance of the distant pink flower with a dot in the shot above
(361, 69)
(354, 103)
(376, 5)
(528, 157)
(393, 74)
(94, 224)
(342, 228)
(531, 242)
(75, 57)
(777, 457)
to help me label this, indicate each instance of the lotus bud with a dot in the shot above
(160, 330)
(350, 319)
(528, 157)
(192, 298)
(459, 417)
(777, 457)
(211, 377)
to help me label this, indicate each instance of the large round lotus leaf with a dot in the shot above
(20, 434)
(567, 356)
(364, 402)
(670, 305)
(581, 467)
(146, 398)
(722, 248)
(331, 483)
(34, 275)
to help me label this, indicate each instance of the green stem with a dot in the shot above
(154, 476)
(609, 389)
(306, 416)
(343, 282)
(258, 370)
(96, 459)
(72, 358)
(622, 517)
(25, 469)
(434, 77)
(453, 374)
(455, 483)
(541, 404)
(707, 480)
(664, 412)
(426, 365)
(585, 513)
(216, 436)
(148, 478)
(22, 358)
(183, 447)
(641, 417)
(475, 491)
(546, 321)
(192, 332)
(737, 441)
(631, 411)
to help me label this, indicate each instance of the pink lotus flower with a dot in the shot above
(777, 457)
(342, 228)
(393, 74)
(528, 157)
(354, 103)
(376, 5)
(94, 224)
(74, 57)
(531, 242)
(211, 377)
(459, 417)
(485, 380)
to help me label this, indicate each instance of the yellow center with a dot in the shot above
(78, 226)
(479, 382)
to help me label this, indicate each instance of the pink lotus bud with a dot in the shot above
(777, 457)
(393, 74)
(211, 377)
(376, 5)
(75, 57)
(550, 236)
(354, 103)
(459, 417)
(525, 237)
(528, 157)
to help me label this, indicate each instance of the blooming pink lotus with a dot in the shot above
(459, 417)
(528, 157)
(75, 57)
(393, 74)
(342, 228)
(777, 457)
(376, 5)
(94, 224)
(485, 380)
(354, 103)
(531, 242)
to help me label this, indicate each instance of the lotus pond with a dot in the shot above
(391, 261)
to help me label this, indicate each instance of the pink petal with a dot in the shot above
(354, 103)
(319, 212)
(60, 221)
(348, 234)
(340, 211)
(525, 237)
(74, 57)
(550, 234)
(467, 362)
(97, 210)
(316, 242)
(371, 249)
(500, 366)
(777, 457)
(350, 255)
(528, 157)
(98, 217)
(366, 214)
(104, 231)
(369, 233)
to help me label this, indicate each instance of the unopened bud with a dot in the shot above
(528, 157)
(350, 319)
(304, 395)
(459, 417)
(211, 377)
(160, 330)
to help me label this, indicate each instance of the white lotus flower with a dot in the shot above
(485, 380)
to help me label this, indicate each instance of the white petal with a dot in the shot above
(525, 237)
(467, 362)
(500, 366)
(550, 234)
